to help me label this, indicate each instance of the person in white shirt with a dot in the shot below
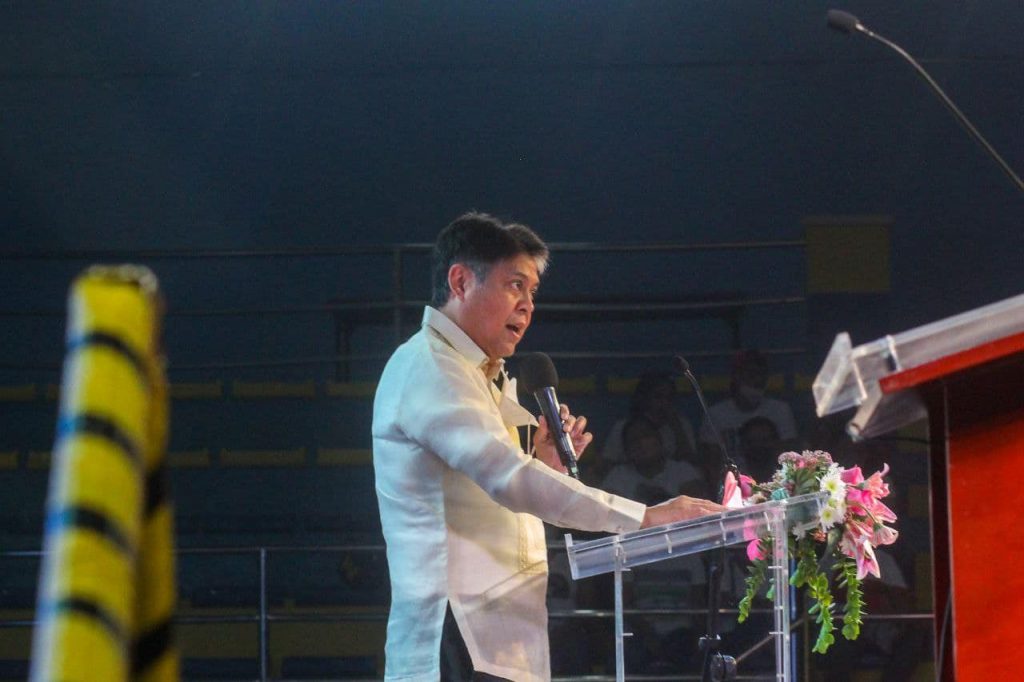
(746, 402)
(647, 473)
(461, 503)
(655, 399)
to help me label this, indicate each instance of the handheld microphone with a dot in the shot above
(683, 367)
(845, 22)
(541, 379)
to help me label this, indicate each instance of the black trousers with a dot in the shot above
(456, 665)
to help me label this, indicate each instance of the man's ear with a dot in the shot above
(460, 278)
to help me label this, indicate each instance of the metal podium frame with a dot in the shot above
(618, 553)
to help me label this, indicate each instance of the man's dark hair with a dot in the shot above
(479, 240)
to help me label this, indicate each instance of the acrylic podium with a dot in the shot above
(619, 553)
(966, 375)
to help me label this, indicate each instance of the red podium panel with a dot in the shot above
(975, 403)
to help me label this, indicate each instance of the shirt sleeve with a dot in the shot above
(449, 411)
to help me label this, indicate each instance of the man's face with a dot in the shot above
(497, 311)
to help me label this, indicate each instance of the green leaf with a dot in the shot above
(754, 582)
(853, 613)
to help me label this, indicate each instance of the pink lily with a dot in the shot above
(754, 550)
(859, 549)
(876, 485)
(852, 476)
(882, 512)
(748, 530)
(747, 485)
(860, 497)
(848, 544)
(728, 488)
(884, 535)
(859, 531)
(866, 562)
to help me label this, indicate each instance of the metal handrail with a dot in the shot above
(361, 250)
(628, 306)
(264, 615)
(396, 302)
(361, 357)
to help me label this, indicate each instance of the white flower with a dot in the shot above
(830, 516)
(833, 484)
(839, 505)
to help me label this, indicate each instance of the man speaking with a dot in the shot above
(461, 503)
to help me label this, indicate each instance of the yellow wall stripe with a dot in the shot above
(18, 394)
(189, 459)
(577, 385)
(38, 459)
(263, 458)
(344, 456)
(802, 382)
(351, 389)
(197, 390)
(273, 389)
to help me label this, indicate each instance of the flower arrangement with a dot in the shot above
(849, 528)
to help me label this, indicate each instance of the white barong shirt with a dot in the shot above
(461, 506)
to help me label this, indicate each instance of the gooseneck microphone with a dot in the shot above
(540, 378)
(683, 367)
(845, 22)
(715, 665)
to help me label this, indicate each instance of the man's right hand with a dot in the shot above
(679, 509)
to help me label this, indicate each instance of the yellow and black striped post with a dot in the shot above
(154, 658)
(106, 593)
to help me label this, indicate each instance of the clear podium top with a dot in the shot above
(849, 376)
(649, 545)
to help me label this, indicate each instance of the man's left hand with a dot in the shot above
(576, 427)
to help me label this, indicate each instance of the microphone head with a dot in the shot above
(842, 21)
(680, 364)
(537, 371)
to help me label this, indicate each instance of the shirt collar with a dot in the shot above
(456, 338)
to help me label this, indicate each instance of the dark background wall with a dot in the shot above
(277, 125)
(245, 124)
(264, 125)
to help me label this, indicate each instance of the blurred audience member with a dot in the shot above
(655, 398)
(758, 444)
(746, 402)
(648, 475)
(663, 644)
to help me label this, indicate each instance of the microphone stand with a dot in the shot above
(716, 666)
(847, 23)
